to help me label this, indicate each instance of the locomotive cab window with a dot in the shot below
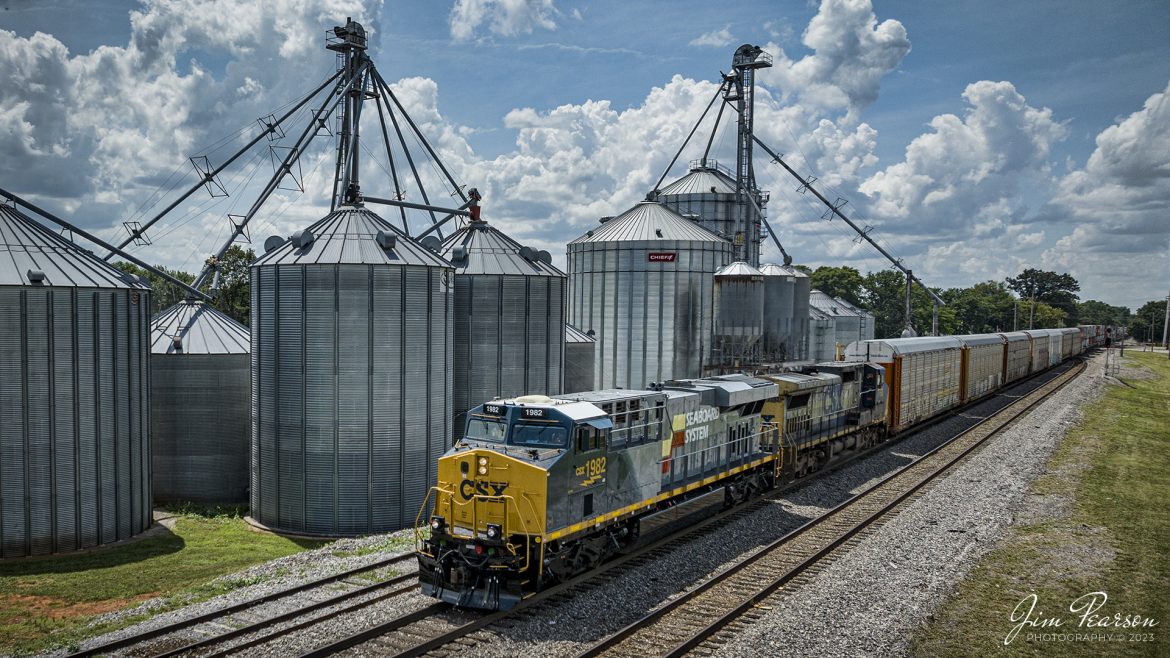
(538, 435)
(589, 438)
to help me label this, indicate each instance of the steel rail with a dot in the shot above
(293, 614)
(1012, 411)
(236, 607)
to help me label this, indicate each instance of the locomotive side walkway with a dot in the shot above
(881, 597)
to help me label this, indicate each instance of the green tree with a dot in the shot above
(884, 295)
(1058, 290)
(844, 282)
(983, 308)
(1095, 312)
(234, 294)
(163, 293)
(1146, 324)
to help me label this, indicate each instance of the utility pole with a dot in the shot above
(1166, 326)
(909, 332)
(1015, 316)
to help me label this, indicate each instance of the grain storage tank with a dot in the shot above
(739, 316)
(822, 336)
(74, 396)
(509, 321)
(848, 322)
(200, 401)
(642, 282)
(800, 312)
(579, 351)
(351, 382)
(707, 193)
(779, 289)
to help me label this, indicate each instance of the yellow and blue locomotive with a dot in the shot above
(540, 489)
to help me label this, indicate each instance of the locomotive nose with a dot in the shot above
(485, 493)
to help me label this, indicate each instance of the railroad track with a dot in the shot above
(441, 629)
(252, 624)
(704, 618)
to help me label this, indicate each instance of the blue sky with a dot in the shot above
(966, 133)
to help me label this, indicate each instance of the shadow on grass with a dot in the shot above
(158, 540)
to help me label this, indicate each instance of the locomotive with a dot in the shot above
(540, 489)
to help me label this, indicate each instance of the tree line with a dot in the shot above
(234, 296)
(1033, 299)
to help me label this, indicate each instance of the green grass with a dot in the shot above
(1107, 529)
(51, 602)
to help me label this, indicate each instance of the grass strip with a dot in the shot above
(1098, 523)
(52, 602)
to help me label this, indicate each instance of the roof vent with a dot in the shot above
(386, 240)
(177, 342)
(544, 257)
(658, 232)
(302, 238)
(591, 333)
(528, 253)
(36, 276)
(432, 243)
(459, 252)
(605, 219)
(272, 242)
(589, 233)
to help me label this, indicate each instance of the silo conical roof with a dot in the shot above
(772, 269)
(575, 335)
(348, 236)
(490, 251)
(200, 328)
(792, 271)
(649, 221)
(701, 180)
(738, 268)
(26, 244)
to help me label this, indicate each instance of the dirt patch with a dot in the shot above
(52, 608)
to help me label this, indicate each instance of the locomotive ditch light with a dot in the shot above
(438, 523)
(483, 466)
(494, 531)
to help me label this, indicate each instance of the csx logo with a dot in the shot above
(470, 488)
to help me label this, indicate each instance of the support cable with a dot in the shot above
(137, 233)
(191, 289)
(330, 104)
(386, 88)
(835, 209)
(718, 93)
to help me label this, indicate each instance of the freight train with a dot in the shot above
(540, 489)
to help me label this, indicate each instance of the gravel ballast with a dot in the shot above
(871, 600)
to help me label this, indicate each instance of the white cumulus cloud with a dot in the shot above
(502, 17)
(714, 38)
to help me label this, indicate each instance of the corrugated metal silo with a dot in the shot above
(642, 282)
(74, 395)
(351, 382)
(509, 332)
(579, 357)
(739, 315)
(779, 290)
(848, 322)
(200, 397)
(800, 312)
(707, 192)
(822, 336)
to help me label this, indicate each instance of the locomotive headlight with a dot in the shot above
(483, 470)
(494, 531)
(437, 523)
